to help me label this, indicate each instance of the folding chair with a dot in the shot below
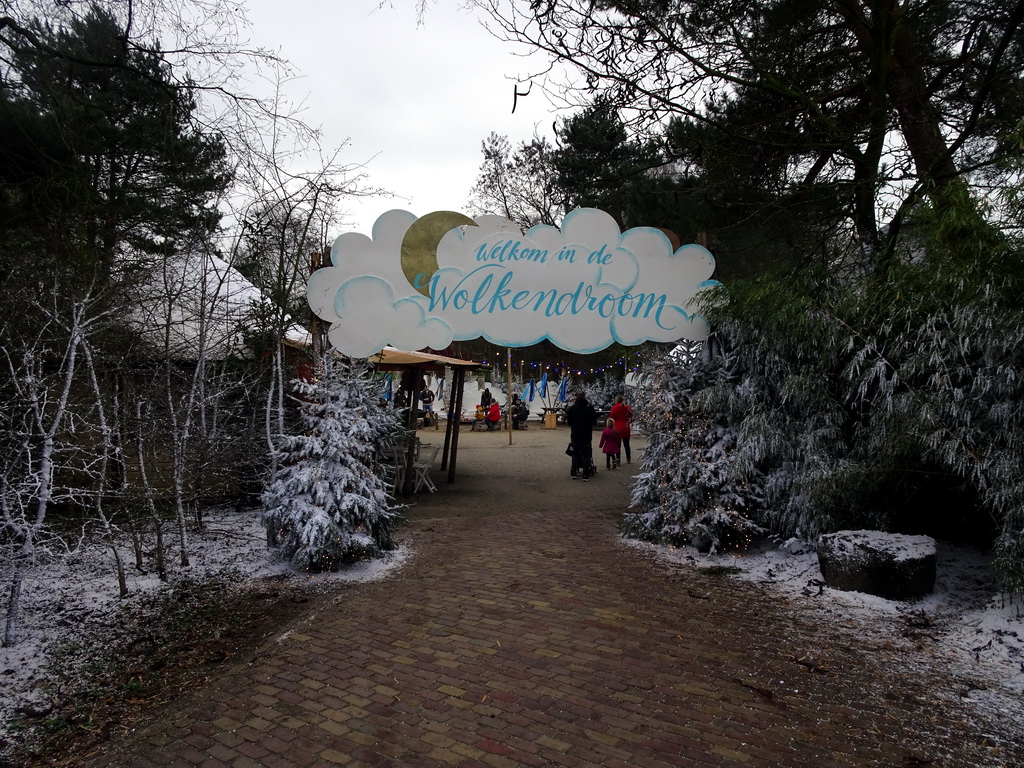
(422, 468)
(397, 466)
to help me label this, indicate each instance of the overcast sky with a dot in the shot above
(415, 102)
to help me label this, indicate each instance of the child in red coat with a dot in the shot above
(610, 445)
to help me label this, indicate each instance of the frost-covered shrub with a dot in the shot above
(949, 362)
(687, 490)
(328, 504)
(787, 399)
(855, 398)
(601, 392)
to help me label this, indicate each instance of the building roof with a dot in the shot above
(197, 303)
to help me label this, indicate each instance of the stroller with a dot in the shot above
(586, 467)
(590, 471)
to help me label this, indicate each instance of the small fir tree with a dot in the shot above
(329, 504)
(688, 491)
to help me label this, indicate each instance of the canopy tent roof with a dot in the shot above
(391, 359)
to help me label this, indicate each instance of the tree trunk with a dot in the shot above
(161, 565)
(148, 493)
(183, 561)
(13, 607)
(140, 563)
(885, 34)
(122, 583)
(919, 120)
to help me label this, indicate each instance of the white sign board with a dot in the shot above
(426, 282)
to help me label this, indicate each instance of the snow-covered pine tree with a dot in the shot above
(602, 392)
(328, 503)
(688, 491)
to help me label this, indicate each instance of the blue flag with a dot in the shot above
(563, 390)
(543, 386)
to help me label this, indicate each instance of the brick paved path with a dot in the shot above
(522, 633)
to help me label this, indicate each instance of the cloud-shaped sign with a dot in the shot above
(426, 282)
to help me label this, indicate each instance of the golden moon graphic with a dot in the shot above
(419, 246)
(672, 238)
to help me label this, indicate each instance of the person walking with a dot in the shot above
(427, 401)
(621, 414)
(581, 418)
(609, 445)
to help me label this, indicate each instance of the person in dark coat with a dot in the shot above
(581, 418)
(520, 413)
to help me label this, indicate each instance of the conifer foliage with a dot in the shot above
(888, 401)
(689, 490)
(602, 392)
(328, 504)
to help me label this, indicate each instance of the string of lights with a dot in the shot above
(632, 364)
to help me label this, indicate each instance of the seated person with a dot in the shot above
(520, 413)
(479, 417)
(493, 416)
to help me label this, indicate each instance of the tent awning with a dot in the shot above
(391, 359)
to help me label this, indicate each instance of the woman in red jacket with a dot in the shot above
(493, 415)
(622, 414)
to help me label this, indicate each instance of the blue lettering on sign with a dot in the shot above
(599, 256)
(521, 300)
(480, 297)
(498, 300)
(482, 292)
(510, 250)
(551, 295)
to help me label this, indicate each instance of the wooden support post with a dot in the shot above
(456, 408)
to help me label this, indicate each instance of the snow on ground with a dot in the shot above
(979, 631)
(61, 596)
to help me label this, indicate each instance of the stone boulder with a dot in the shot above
(889, 565)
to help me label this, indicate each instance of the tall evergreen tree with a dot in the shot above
(843, 110)
(328, 503)
(102, 140)
(103, 166)
(598, 165)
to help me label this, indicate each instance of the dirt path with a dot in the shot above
(521, 631)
